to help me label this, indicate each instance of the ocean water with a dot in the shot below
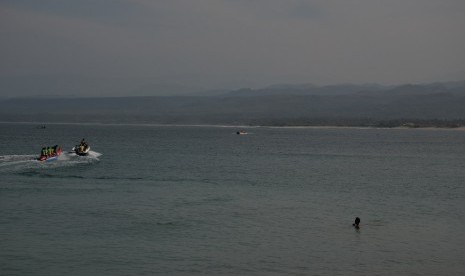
(177, 200)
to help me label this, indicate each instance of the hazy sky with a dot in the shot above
(236, 43)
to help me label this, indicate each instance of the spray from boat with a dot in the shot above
(50, 157)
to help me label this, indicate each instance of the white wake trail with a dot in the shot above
(18, 163)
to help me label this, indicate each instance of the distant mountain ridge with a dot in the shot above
(342, 89)
(436, 104)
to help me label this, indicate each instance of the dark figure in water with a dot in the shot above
(357, 222)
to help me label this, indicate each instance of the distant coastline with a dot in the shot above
(239, 126)
(438, 105)
(405, 124)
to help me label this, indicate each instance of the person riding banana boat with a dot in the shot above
(49, 153)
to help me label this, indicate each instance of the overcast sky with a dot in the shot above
(236, 43)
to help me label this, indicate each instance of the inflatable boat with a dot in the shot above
(50, 153)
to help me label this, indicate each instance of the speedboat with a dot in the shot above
(241, 132)
(81, 150)
(50, 153)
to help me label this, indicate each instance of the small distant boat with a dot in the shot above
(241, 132)
(50, 153)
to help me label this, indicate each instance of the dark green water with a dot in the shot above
(205, 201)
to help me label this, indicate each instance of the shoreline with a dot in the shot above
(460, 128)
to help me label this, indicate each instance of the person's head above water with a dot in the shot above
(357, 222)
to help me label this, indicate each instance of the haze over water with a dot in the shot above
(204, 201)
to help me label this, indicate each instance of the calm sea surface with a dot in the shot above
(204, 201)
